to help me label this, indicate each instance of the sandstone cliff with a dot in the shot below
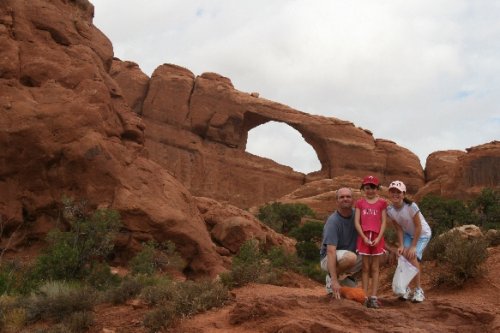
(197, 127)
(66, 131)
(77, 122)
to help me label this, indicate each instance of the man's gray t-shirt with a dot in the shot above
(339, 231)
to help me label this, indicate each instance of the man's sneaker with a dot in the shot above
(328, 284)
(372, 302)
(407, 295)
(349, 281)
(418, 296)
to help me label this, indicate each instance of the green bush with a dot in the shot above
(309, 231)
(181, 300)
(11, 277)
(445, 214)
(154, 257)
(247, 265)
(160, 318)
(307, 251)
(283, 217)
(487, 209)
(313, 270)
(79, 321)
(459, 258)
(101, 278)
(70, 253)
(56, 301)
(129, 288)
(251, 264)
(279, 258)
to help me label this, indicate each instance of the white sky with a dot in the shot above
(422, 73)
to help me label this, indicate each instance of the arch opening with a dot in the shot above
(284, 145)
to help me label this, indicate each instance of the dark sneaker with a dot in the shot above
(372, 302)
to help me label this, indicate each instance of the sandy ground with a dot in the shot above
(303, 306)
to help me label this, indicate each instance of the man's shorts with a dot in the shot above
(340, 254)
(368, 250)
(421, 244)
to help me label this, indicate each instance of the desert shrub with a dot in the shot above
(160, 318)
(11, 275)
(283, 217)
(312, 269)
(89, 237)
(128, 288)
(159, 293)
(445, 214)
(101, 278)
(460, 258)
(247, 265)
(309, 231)
(279, 258)
(58, 300)
(79, 321)
(251, 264)
(183, 299)
(195, 297)
(307, 250)
(487, 209)
(390, 235)
(154, 257)
(12, 319)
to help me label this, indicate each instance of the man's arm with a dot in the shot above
(331, 252)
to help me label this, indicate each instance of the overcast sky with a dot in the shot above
(422, 73)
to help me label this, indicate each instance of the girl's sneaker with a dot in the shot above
(418, 296)
(372, 302)
(407, 295)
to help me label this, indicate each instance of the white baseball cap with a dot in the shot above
(398, 185)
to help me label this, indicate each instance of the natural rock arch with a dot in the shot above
(252, 120)
(293, 150)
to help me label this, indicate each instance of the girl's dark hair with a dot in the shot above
(363, 185)
(407, 201)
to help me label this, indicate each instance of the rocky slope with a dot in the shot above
(167, 152)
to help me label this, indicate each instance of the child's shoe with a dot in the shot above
(418, 296)
(372, 302)
(407, 295)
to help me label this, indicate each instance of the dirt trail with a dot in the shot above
(306, 308)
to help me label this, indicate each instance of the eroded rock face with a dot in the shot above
(77, 122)
(197, 127)
(230, 227)
(462, 175)
(66, 130)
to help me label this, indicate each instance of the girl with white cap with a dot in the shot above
(413, 233)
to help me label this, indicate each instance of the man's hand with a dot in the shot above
(336, 289)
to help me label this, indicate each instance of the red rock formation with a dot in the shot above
(76, 123)
(462, 175)
(197, 127)
(66, 130)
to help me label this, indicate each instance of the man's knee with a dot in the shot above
(348, 259)
(347, 262)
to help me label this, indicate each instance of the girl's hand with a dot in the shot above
(367, 241)
(400, 250)
(375, 242)
(411, 253)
